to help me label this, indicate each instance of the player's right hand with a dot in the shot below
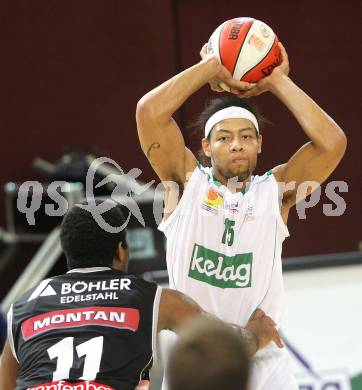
(264, 328)
(224, 78)
(267, 83)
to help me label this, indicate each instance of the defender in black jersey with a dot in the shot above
(95, 327)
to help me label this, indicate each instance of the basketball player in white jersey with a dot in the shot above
(224, 237)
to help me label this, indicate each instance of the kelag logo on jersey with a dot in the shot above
(220, 270)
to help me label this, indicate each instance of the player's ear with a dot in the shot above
(260, 142)
(206, 147)
(121, 258)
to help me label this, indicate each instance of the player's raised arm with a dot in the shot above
(159, 134)
(318, 158)
(176, 309)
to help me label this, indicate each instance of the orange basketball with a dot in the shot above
(247, 47)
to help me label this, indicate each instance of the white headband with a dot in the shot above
(232, 112)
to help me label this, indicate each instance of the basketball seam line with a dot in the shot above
(266, 55)
(241, 46)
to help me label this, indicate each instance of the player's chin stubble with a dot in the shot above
(242, 175)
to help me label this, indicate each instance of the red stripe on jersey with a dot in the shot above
(116, 317)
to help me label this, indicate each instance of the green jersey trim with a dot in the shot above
(212, 179)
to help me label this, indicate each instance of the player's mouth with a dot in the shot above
(239, 160)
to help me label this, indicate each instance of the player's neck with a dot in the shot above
(234, 184)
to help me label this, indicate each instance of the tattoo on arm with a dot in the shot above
(155, 145)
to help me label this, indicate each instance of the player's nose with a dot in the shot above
(236, 145)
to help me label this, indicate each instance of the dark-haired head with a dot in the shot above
(86, 244)
(232, 146)
(208, 355)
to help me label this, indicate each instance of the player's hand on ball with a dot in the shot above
(224, 78)
(264, 328)
(266, 84)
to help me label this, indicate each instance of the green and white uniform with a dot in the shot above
(224, 251)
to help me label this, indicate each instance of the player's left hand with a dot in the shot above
(264, 329)
(266, 84)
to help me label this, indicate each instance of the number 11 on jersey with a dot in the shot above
(63, 351)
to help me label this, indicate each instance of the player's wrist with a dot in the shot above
(277, 83)
(212, 64)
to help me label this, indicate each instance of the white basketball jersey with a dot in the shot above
(224, 251)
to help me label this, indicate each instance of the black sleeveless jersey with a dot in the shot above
(92, 328)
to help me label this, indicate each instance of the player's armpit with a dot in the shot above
(9, 369)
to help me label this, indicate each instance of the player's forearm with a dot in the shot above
(249, 339)
(318, 126)
(162, 102)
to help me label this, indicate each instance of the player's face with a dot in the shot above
(234, 146)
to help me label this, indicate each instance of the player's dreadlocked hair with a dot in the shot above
(85, 243)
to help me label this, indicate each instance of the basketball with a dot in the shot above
(247, 47)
